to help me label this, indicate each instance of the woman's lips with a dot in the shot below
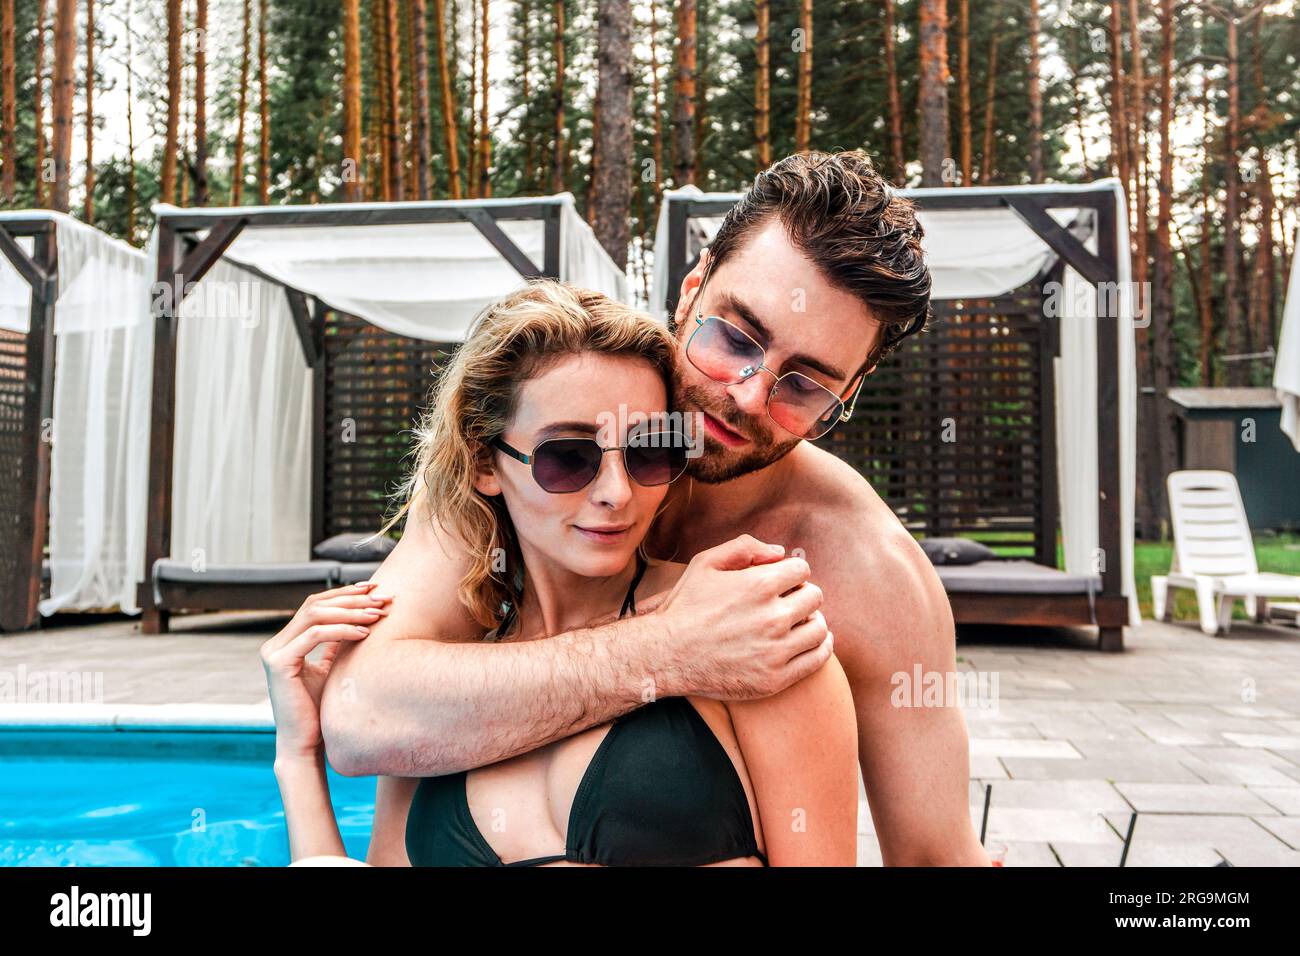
(722, 433)
(603, 536)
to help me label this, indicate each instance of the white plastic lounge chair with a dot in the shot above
(1214, 554)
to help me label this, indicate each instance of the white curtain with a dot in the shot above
(103, 363)
(243, 433)
(1076, 417)
(1286, 374)
(422, 280)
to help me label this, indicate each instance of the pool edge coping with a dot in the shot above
(223, 718)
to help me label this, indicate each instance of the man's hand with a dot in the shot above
(742, 622)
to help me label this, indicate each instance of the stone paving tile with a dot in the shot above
(1043, 825)
(1020, 747)
(1090, 795)
(987, 767)
(1145, 854)
(1153, 770)
(1266, 741)
(1001, 730)
(1286, 829)
(1239, 773)
(1241, 840)
(1191, 798)
(1285, 800)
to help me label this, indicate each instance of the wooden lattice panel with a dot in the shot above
(376, 385)
(950, 429)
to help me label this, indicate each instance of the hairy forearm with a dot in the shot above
(308, 813)
(417, 708)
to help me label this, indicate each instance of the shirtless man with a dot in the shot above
(821, 266)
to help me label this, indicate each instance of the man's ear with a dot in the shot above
(690, 287)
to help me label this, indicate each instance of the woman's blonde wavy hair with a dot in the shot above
(474, 400)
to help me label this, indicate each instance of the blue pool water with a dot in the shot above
(154, 798)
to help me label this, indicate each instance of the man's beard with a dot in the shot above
(720, 463)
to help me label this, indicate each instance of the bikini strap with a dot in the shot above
(629, 602)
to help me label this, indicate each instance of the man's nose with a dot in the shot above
(750, 395)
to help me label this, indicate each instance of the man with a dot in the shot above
(813, 278)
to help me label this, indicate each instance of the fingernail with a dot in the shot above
(779, 547)
(364, 630)
(376, 595)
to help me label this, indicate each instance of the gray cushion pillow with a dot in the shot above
(354, 546)
(955, 551)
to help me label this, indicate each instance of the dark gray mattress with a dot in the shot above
(1014, 577)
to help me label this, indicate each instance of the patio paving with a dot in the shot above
(1198, 735)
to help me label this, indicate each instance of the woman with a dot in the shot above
(515, 457)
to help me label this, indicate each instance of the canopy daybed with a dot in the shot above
(1013, 414)
(294, 350)
(74, 354)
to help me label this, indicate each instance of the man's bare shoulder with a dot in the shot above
(883, 597)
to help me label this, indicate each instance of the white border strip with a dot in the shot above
(255, 718)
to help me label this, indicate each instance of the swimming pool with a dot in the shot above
(154, 796)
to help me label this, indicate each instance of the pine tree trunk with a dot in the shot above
(1077, 96)
(353, 189)
(762, 86)
(167, 176)
(934, 91)
(895, 103)
(1164, 359)
(450, 135)
(40, 103)
(684, 96)
(394, 79)
(264, 110)
(88, 205)
(803, 95)
(1138, 112)
(1231, 224)
(1118, 106)
(990, 102)
(963, 87)
(9, 120)
(420, 62)
(1035, 84)
(237, 173)
(65, 49)
(384, 118)
(614, 146)
(201, 106)
(471, 158)
(529, 177)
(1206, 279)
(558, 166)
(130, 132)
(485, 134)
(657, 103)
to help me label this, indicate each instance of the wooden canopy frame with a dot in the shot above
(1108, 609)
(184, 258)
(22, 537)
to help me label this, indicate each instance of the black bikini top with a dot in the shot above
(660, 791)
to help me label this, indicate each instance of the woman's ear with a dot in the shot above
(486, 481)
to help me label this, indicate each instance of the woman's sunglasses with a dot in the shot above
(726, 353)
(562, 465)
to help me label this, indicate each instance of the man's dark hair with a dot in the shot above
(842, 215)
